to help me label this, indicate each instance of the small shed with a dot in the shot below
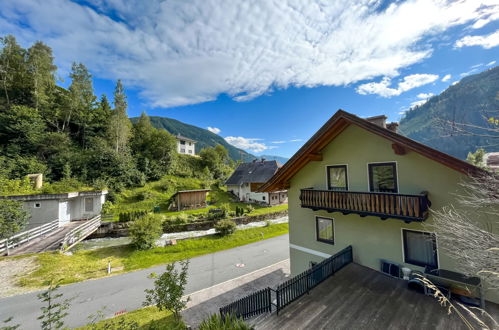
(189, 199)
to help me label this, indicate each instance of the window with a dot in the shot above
(182, 151)
(190, 151)
(189, 144)
(383, 177)
(263, 197)
(337, 177)
(420, 248)
(89, 204)
(182, 142)
(325, 230)
(38, 205)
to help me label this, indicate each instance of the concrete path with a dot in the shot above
(208, 301)
(126, 291)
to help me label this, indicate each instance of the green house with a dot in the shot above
(358, 182)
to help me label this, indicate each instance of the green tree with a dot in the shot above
(14, 77)
(169, 289)
(476, 158)
(54, 312)
(81, 93)
(13, 217)
(145, 231)
(42, 70)
(217, 161)
(120, 127)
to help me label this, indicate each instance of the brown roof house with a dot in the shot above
(248, 177)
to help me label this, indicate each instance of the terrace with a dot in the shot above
(357, 297)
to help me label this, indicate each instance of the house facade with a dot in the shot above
(185, 145)
(45, 208)
(356, 182)
(248, 177)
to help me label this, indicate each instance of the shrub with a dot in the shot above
(225, 209)
(107, 207)
(250, 208)
(214, 214)
(228, 322)
(180, 219)
(132, 215)
(225, 227)
(239, 211)
(144, 195)
(145, 231)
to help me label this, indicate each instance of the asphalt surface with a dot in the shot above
(126, 292)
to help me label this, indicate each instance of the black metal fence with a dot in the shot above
(287, 292)
(301, 284)
(252, 305)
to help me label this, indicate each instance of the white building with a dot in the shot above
(185, 145)
(249, 176)
(45, 208)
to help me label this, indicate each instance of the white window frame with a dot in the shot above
(384, 162)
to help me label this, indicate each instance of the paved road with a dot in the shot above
(126, 291)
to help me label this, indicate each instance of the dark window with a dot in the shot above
(38, 205)
(325, 230)
(182, 142)
(337, 177)
(263, 197)
(420, 248)
(383, 177)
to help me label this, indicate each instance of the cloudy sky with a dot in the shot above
(264, 74)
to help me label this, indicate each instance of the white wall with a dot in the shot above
(246, 195)
(189, 148)
(47, 211)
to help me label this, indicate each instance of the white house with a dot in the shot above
(185, 145)
(248, 177)
(66, 207)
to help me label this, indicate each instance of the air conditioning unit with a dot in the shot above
(390, 268)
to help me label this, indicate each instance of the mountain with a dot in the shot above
(203, 137)
(279, 159)
(447, 122)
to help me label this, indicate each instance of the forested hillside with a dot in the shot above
(456, 121)
(77, 139)
(203, 137)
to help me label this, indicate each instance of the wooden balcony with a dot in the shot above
(384, 205)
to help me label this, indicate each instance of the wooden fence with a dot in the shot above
(28, 235)
(80, 233)
(252, 305)
(384, 205)
(287, 292)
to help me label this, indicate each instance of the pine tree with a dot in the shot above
(42, 71)
(120, 127)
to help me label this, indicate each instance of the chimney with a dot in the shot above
(393, 126)
(36, 180)
(378, 120)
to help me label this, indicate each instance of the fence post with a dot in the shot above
(278, 300)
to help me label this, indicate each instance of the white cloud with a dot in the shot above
(185, 52)
(278, 142)
(296, 140)
(446, 77)
(409, 82)
(250, 144)
(487, 41)
(424, 95)
(490, 63)
(455, 83)
(490, 14)
(464, 74)
(214, 129)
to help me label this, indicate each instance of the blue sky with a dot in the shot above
(265, 74)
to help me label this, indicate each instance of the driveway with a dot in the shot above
(126, 291)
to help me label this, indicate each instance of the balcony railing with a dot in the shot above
(384, 205)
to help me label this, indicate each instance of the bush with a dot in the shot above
(228, 322)
(132, 215)
(225, 227)
(144, 195)
(250, 208)
(225, 209)
(239, 211)
(107, 207)
(145, 231)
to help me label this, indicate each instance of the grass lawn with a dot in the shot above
(84, 265)
(146, 318)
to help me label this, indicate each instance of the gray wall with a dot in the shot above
(47, 212)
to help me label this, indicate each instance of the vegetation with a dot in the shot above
(169, 289)
(142, 319)
(83, 265)
(145, 231)
(13, 217)
(225, 227)
(78, 141)
(459, 120)
(229, 322)
(476, 158)
(54, 311)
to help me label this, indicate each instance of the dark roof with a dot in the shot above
(180, 137)
(311, 150)
(257, 172)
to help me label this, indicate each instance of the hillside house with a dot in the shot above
(359, 183)
(491, 160)
(45, 208)
(185, 145)
(189, 199)
(248, 177)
